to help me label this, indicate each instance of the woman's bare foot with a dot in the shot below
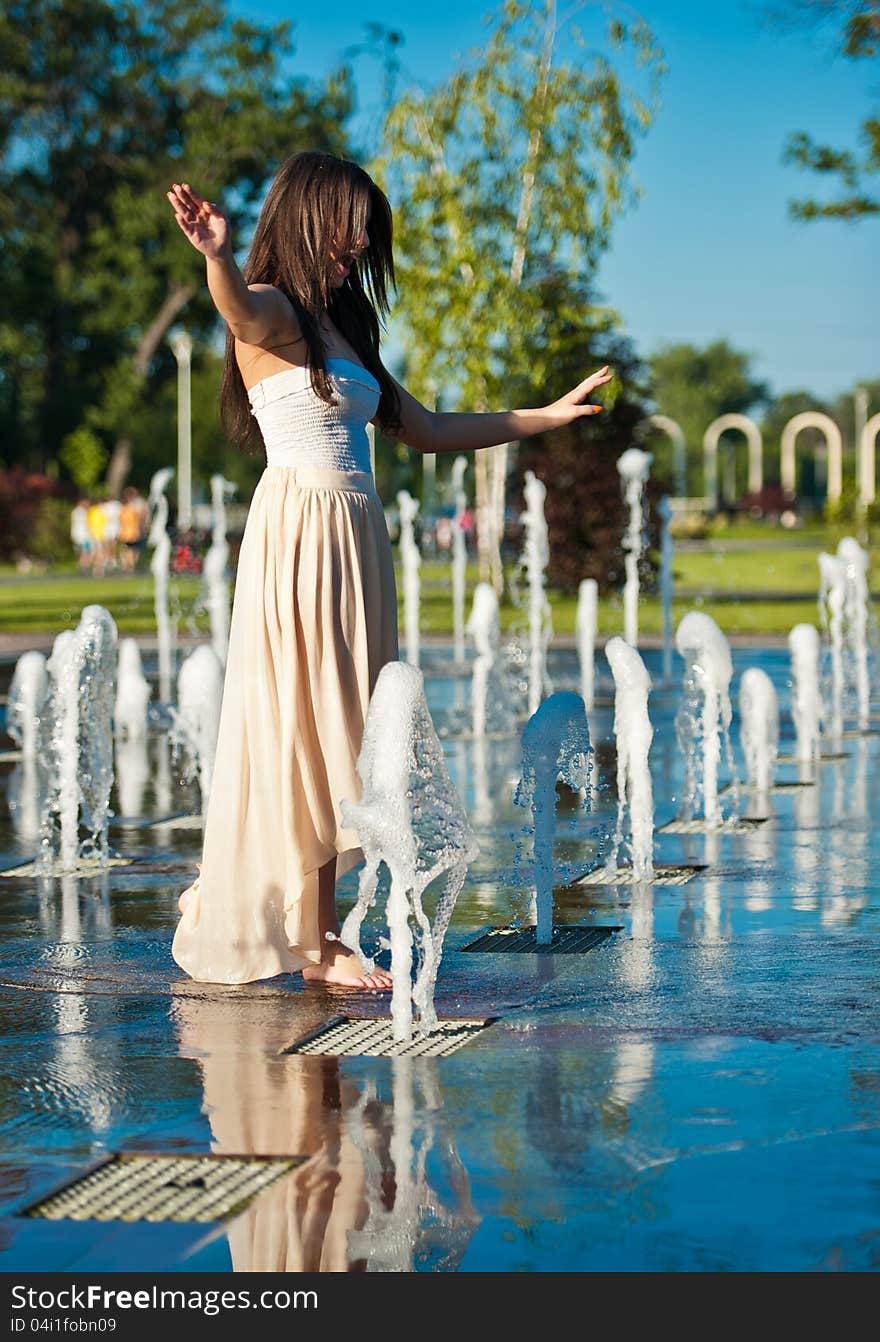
(341, 966)
(188, 893)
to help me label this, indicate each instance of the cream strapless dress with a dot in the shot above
(314, 619)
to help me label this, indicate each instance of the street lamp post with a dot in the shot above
(181, 344)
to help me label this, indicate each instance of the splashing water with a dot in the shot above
(759, 728)
(197, 715)
(410, 817)
(664, 508)
(459, 557)
(534, 559)
(132, 693)
(857, 607)
(215, 585)
(27, 693)
(585, 631)
(703, 720)
(832, 603)
(633, 733)
(77, 742)
(633, 467)
(159, 567)
(24, 711)
(556, 745)
(411, 559)
(806, 706)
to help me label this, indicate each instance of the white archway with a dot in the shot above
(710, 454)
(812, 419)
(674, 431)
(867, 461)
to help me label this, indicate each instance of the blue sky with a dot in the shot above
(708, 251)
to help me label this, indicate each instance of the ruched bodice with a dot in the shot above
(299, 429)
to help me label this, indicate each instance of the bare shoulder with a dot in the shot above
(273, 338)
(276, 312)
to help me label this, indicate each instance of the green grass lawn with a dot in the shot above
(771, 571)
(54, 603)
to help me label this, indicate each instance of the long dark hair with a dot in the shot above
(318, 202)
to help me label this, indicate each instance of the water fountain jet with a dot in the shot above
(535, 557)
(759, 730)
(197, 715)
(705, 715)
(633, 733)
(410, 817)
(633, 466)
(832, 604)
(459, 557)
(78, 743)
(586, 622)
(411, 560)
(556, 745)
(160, 564)
(806, 705)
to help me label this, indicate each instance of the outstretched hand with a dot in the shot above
(202, 223)
(574, 404)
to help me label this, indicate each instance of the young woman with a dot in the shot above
(314, 614)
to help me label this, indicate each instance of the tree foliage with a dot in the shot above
(584, 508)
(506, 176)
(101, 106)
(859, 39)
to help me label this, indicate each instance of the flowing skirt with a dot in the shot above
(314, 620)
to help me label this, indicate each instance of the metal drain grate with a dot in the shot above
(85, 866)
(664, 874)
(348, 1036)
(188, 821)
(824, 757)
(523, 940)
(700, 826)
(164, 1188)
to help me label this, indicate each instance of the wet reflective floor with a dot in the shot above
(702, 1091)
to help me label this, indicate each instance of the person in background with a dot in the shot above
(97, 522)
(134, 522)
(443, 534)
(80, 534)
(467, 523)
(112, 511)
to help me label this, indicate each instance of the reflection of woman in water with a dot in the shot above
(261, 1101)
(314, 616)
(274, 1104)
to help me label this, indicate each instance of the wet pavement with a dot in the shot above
(700, 1092)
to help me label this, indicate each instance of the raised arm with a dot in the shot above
(433, 431)
(254, 313)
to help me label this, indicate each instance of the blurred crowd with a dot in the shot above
(110, 534)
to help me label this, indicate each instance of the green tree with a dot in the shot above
(694, 386)
(860, 40)
(84, 456)
(101, 106)
(584, 508)
(509, 173)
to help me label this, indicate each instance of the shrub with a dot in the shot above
(22, 494)
(50, 534)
